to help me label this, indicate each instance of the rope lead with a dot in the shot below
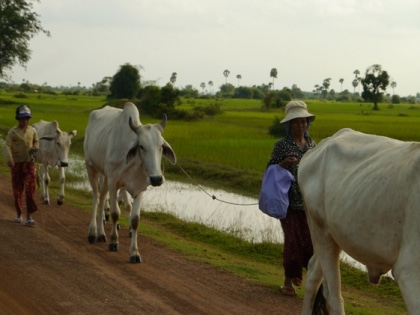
(213, 196)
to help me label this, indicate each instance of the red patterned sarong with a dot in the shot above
(23, 180)
(297, 243)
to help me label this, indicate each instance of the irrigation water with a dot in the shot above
(228, 212)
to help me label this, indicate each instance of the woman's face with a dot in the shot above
(298, 126)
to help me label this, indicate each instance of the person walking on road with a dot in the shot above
(21, 145)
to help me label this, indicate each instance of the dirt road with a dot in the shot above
(52, 269)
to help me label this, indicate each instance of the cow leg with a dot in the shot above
(62, 181)
(124, 198)
(328, 255)
(93, 180)
(106, 209)
(45, 181)
(115, 215)
(312, 284)
(134, 223)
(407, 274)
(100, 218)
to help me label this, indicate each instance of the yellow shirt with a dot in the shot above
(18, 144)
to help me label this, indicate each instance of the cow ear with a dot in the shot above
(73, 133)
(168, 152)
(131, 154)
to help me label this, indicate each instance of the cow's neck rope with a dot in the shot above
(213, 196)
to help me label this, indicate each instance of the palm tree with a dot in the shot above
(173, 78)
(341, 82)
(273, 74)
(226, 74)
(356, 77)
(393, 85)
(316, 89)
(355, 83)
(239, 77)
(203, 86)
(210, 84)
(356, 73)
(326, 83)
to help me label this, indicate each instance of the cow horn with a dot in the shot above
(163, 122)
(134, 128)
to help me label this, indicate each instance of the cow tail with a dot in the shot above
(320, 303)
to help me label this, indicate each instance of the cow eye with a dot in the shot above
(141, 147)
(58, 143)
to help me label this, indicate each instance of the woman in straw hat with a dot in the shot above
(287, 153)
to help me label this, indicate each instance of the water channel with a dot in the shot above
(228, 212)
(224, 211)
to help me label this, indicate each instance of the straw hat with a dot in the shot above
(297, 109)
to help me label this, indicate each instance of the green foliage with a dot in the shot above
(277, 129)
(18, 24)
(277, 99)
(189, 92)
(169, 95)
(157, 101)
(374, 84)
(149, 98)
(244, 92)
(395, 99)
(226, 90)
(125, 83)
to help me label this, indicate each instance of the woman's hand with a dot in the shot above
(289, 162)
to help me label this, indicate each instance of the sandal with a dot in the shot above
(30, 222)
(297, 282)
(288, 291)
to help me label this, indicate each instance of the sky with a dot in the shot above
(307, 41)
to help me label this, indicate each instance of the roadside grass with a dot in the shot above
(230, 151)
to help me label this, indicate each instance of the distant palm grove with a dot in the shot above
(128, 84)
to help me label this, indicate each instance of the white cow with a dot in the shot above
(129, 155)
(362, 195)
(54, 146)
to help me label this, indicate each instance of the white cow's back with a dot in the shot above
(108, 134)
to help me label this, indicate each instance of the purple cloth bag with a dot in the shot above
(274, 199)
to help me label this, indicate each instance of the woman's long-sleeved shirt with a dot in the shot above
(284, 148)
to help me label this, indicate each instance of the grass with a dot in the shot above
(230, 151)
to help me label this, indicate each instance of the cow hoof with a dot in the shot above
(59, 202)
(135, 259)
(101, 239)
(46, 202)
(91, 239)
(113, 247)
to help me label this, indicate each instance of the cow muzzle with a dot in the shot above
(64, 164)
(156, 180)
